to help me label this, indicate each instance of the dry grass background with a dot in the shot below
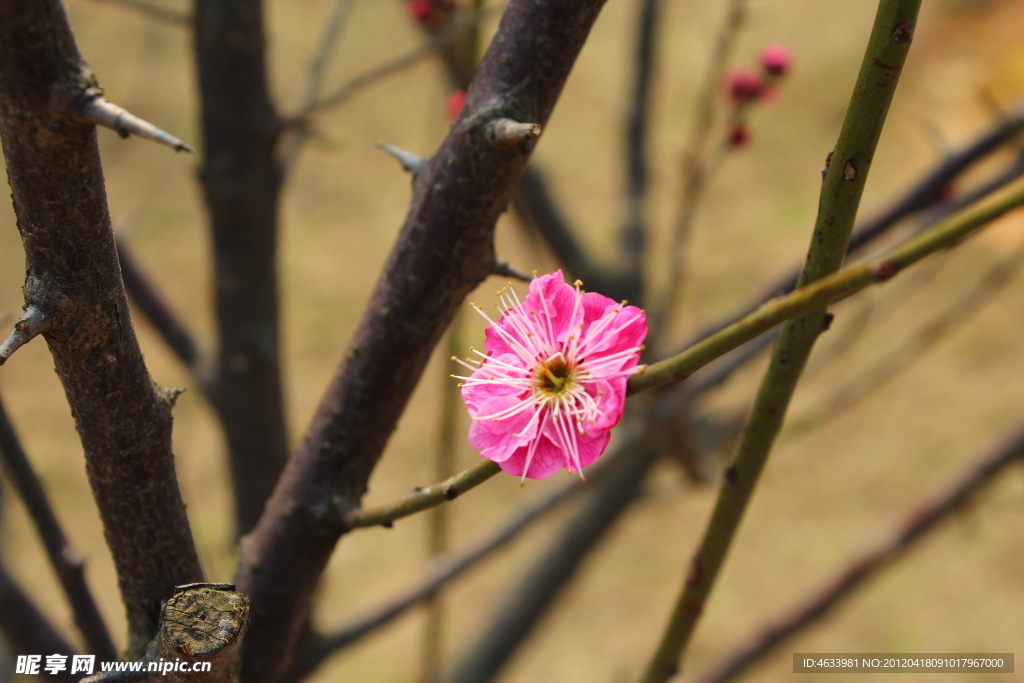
(828, 491)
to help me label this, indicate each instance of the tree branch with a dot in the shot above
(25, 629)
(840, 196)
(443, 251)
(65, 560)
(241, 184)
(155, 309)
(155, 12)
(925, 517)
(123, 419)
(820, 293)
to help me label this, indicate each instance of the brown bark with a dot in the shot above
(123, 419)
(443, 251)
(241, 182)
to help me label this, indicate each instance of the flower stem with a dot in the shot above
(840, 196)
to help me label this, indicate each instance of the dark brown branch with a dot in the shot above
(123, 419)
(241, 184)
(23, 627)
(924, 518)
(66, 562)
(155, 309)
(530, 599)
(443, 251)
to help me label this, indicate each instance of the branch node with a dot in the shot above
(30, 325)
(506, 133)
(410, 162)
(109, 115)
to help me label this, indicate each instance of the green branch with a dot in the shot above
(840, 196)
(423, 498)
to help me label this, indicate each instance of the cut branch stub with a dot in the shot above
(506, 133)
(201, 622)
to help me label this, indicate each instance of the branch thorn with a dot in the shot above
(410, 162)
(506, 133)
(508, 270)
(28, 326)
(109, 115)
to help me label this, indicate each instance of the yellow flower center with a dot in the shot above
(554, 377)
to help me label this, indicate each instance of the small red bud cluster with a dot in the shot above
(746, 87)
(430, 14)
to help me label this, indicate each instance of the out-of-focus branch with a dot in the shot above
(696, 158)
(437, 41)
(241, 181)
(633, 236)
(925, 517)
(155, 309)
(529, 600)
(900, 359)
(920, 196)
(25, 629)
(66, 562)
(820, 293)
(443, 251)
(328, 40)
(841, 191)
(122, 418)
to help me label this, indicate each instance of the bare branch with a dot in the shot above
(504, 269)
(65, 560)
(923, 518)
(328, 40)
(422, 498)
(33, 323)
(23, 626)
(443, 251)
(411, 163)
(122, 418)
(109, 115)
(436, 42)
(156, 310)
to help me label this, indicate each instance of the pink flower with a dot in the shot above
(776, 59)
(552, 383)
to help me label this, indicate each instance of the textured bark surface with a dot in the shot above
(241, 182)
(202, 623)
(443, 251)
(123, 419)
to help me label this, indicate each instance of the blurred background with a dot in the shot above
(838, 481)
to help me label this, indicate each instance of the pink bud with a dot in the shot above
(420, 10)
(454, 104)
(744, 86)
(739, 134)
(776, 59)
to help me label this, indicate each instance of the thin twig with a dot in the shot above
(436, 42)
(903, 357)
(65, 560)
(30, 325)
(922, 195)
(156, 12)
(328, 41)
(422, 498)
(695, 160)
(841, 192)
(819, 293)
(923, 518)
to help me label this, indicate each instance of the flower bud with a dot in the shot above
(739, 134)
(454, 103)
(744, 86)
(776, 59)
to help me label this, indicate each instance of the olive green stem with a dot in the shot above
(423, 498)
(840, 196)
